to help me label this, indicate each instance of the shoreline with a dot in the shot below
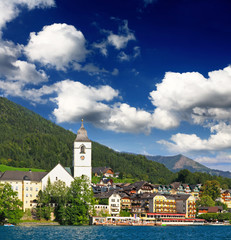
(29, 224)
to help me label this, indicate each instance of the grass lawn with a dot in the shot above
(4, 168)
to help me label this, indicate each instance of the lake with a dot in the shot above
(115, 233)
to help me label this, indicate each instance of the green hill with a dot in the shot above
(28, 140)
(4, 168)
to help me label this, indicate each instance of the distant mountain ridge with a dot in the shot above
(178, 162)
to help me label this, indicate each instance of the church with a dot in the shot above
(28, 184)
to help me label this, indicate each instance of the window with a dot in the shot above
(16, 188)
(82, 149)
(27, 195)
(56, 178)
(26, 188)
(36, 189)
(31, 188)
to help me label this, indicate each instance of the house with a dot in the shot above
(216, 209)
(26, 184)
(125, 201)
(106, 182)
(112, 198)
(103, 171)
(139, 188)
(226, 197)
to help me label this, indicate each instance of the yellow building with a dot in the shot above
(164, 204)
(26, 184)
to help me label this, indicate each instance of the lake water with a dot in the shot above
(115, 233)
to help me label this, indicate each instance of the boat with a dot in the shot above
(8, 225)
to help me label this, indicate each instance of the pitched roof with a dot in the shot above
(181, 196)
(22, 175)
(101, 170)
(139, 185)
(215, 209)
(175, 185)
(105, 194)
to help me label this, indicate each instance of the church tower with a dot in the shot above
(82, 154)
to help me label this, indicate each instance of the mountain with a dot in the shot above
(29, 140)
(178, 162)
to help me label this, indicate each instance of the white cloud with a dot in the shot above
(102, 47)
(125, 118)
(76, 101)
(118, 41)
(57, 45)
(15, 74)
(192, 97)
(198, 100)
(27, 73)
(121, 39)
(219, 139)
(221, 161)
(10, 8)
(95, 104)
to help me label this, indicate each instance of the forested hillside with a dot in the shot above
(28, 140)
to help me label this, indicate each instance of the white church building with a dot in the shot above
(28, 184)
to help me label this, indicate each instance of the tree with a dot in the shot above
(205, 201)
(81, 202)
(212, 189)
(72, 206)
(10, 205)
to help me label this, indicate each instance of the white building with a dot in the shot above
(82, 154)
(57, 173)
(114, 204)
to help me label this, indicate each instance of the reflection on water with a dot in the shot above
(115, 233)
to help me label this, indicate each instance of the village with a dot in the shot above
(138, 203)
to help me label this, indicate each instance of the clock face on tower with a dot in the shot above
(82, 157)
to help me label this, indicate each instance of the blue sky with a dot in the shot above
(149, 77)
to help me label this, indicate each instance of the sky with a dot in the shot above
(147, 76)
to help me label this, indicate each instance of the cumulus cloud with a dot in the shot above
(124, 118)
(198, 100)
(11, 8)
(219, 139)
(57, 45)
(15, 74)
(192, 97)
(75, 100)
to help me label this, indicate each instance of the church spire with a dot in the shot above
(82, 134)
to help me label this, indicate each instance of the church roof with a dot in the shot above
(82, 135)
